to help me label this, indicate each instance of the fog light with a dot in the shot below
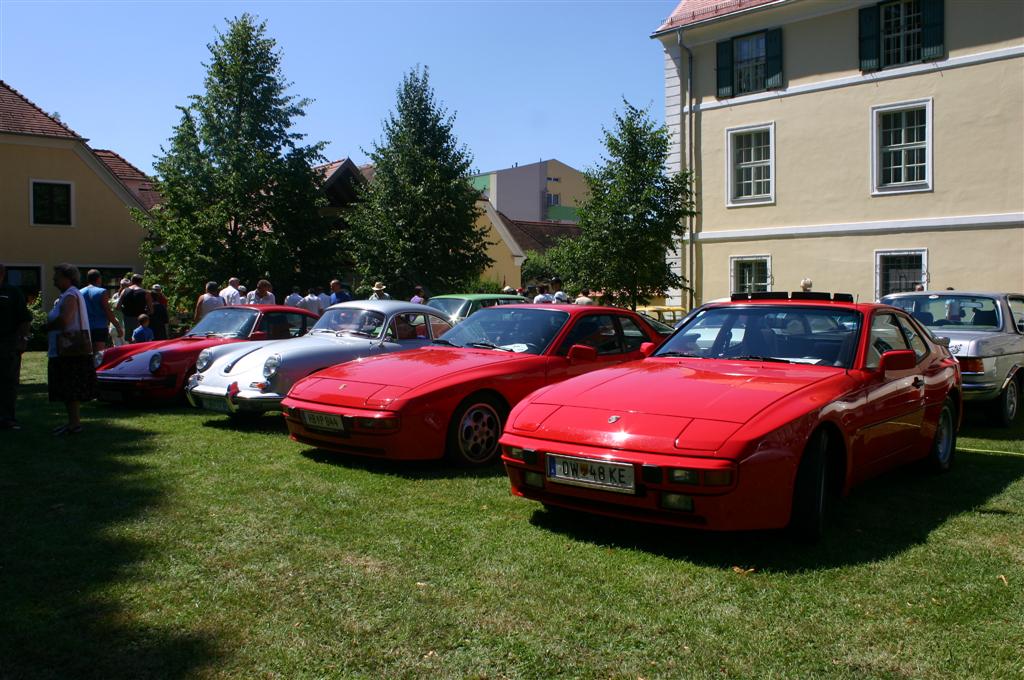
(377, 423)
(718, 477)
(684, 476)
(258, 386)
(533, 479)
(526, 455)
(677, 501)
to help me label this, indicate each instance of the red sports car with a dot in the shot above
(755, 414)
(454, 397)
(160, 369)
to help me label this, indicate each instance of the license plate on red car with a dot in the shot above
(323, 421)
(595, 474)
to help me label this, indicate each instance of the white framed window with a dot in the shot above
(750, 63)
(750, 273)
(901, 147)
(899, 271)
(750, 165)
(553, 199)
(51, 203)
(900, 32)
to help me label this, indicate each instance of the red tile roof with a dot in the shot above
(368, 170)
(695, 11)
(538, 236)
(20, 116)
(136, 181)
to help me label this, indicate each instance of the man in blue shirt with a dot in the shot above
(338, 293)
(101, 316)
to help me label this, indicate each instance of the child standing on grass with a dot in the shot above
(143, 333)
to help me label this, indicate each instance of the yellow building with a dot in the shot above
(508, 241)
(61, 201)
(868, 146)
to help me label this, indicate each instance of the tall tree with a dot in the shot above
(632, 218)
(416, 220)
(240, 193)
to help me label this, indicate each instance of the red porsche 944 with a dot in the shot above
(755, 414)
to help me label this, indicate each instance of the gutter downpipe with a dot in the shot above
(686, 123)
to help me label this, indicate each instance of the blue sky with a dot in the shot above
(528, 80)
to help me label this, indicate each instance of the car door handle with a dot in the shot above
(918, 382)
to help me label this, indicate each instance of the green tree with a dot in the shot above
(240, 195)
(632, 218)
(416, 221)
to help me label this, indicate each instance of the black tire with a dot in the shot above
(474, 430)
(1006, 406)
(812, 495)
(943, 449)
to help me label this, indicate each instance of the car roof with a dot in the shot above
(479, 296)
(386, 306)
(271, 308)
(858, 306)
(565, 307)
(979, 293)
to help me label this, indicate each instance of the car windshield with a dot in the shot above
(950, 312)
(228, 323)
(506, 328)
(786, 334)
(351, 321)
(449, 306)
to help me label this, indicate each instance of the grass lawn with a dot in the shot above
(167, 543)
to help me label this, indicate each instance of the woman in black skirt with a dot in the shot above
(70, 372)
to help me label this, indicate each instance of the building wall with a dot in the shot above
(823, 151)
(520, 191)
(571, 188)
(102, 233)
(503, 269)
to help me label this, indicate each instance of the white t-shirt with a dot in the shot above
(325, 300)
(293, 300)
(231, 296)
(543, 297)
(252, 299)
(560, 298)
(311, 303)
(584, 300)
(208, 303)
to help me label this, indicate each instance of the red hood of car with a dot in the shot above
(172, 350)
(659, 404)
(397, 373)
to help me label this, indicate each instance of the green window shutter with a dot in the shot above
(773, 59)
(724, 69)
(933, 21)
(870, 44)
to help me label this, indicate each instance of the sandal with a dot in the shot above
(67, 429)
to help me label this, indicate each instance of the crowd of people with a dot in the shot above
(87, 319)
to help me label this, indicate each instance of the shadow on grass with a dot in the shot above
(978, 423)
(407, 469)
(271, 422)
(61, 504)
(878, 520)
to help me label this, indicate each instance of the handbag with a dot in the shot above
(76, 343)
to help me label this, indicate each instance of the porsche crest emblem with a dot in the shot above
(614, 419)
(341, 386)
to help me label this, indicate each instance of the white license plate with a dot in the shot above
(216, 405)
(323, 421)
(617, 477)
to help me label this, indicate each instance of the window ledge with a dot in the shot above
(898, 189)
(750, 203)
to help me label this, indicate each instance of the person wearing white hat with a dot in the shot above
(378, 292)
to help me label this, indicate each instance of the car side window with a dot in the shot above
(886, 336)
(438, 326)
(408, 327)
(1017, 311)
(632, 335)
(913, 338)
(281, 326)
(595, 330)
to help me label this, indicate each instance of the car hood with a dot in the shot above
(135, 359)
(352, 384)
(251, 356)
(659, 404)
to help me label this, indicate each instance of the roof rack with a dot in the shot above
(795, 295)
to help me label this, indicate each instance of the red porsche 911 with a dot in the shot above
(158, 370)
(453, 397)
(755, 414)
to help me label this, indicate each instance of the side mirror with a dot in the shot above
(647, 348)
(258, 335)
(897, 360)
(580, 354)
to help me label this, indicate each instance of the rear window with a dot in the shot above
(952, 311)
(449, 306)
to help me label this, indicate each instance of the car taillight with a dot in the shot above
(971, 365)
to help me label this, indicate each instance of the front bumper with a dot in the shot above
(413, 439)
(115, 388)
(760, 496)
(221, 400)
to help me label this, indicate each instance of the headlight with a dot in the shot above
(97, 359)
(154, 362)
(271, 365)
(204, 360)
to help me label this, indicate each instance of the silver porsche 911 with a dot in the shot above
(254, 377)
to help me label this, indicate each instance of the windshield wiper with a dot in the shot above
(442, 341)
(354, 332)
(677, 354)
(486, 345)
(754, 357)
